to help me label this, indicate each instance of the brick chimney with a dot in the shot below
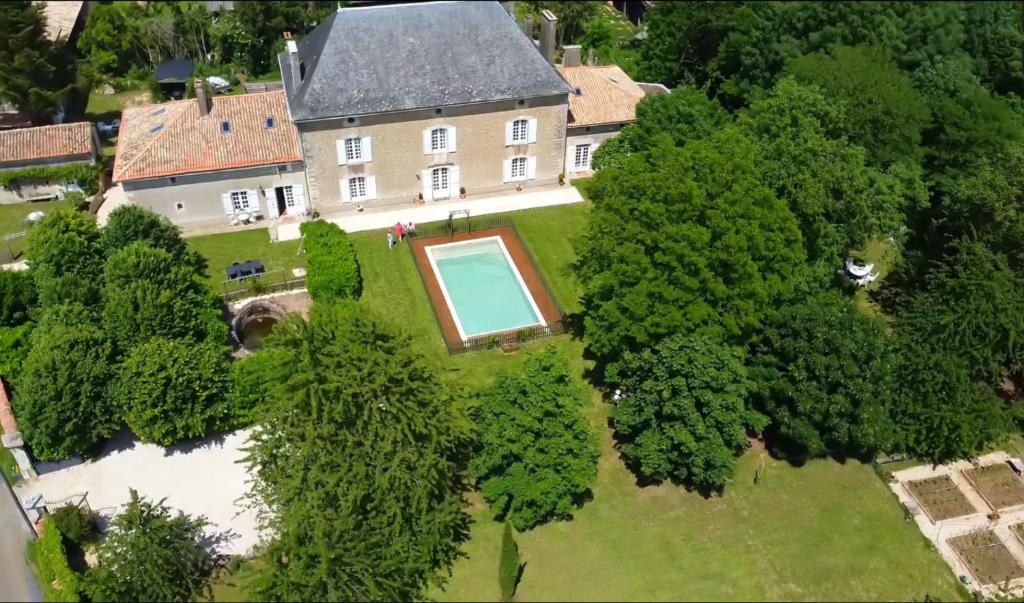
(572, 56)
(202, 97)
(548, 23)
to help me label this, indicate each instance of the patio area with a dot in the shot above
(384, 216)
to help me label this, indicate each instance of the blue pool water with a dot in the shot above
(483, 287)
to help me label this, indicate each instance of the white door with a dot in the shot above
(440, 182)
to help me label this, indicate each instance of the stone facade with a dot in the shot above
(398, 162)
(591, 135)
(201, 195)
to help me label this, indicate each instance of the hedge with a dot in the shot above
(332, 270)
(58, 581)
(85, 174)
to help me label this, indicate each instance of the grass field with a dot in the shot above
(8, 466)
(822, 531)
(222, 250)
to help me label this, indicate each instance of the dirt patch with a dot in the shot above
(986, 557)
(940, 498)
(998, 485)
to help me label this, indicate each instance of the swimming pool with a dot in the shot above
(482, 287)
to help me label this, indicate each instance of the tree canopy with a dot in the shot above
(683, 240)
(536, 455)
(822, 373)
(36, 74)
(356, 463)
(63, 404)
(151, 553)
(682, 414)
(65, 253)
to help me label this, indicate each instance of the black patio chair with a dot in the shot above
(234, 271)
(257, 267)
(246, 269)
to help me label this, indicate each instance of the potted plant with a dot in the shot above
(519, 188)
(419, 199)
(462, 192)
(561, 179)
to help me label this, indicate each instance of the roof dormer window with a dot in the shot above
(270, 122)
(225, 127)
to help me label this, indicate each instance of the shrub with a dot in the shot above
(332, 267)
(171, 390)
(58, 581)
(508, 565)
(76, 524)
(17, 297)
(250, 387)
(13, 348)
(131, 224)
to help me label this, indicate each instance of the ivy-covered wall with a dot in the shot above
(85, 174)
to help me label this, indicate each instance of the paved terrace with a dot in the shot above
(939, 532)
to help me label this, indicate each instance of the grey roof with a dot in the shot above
(392, 58)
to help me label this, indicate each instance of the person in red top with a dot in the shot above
(398, 231)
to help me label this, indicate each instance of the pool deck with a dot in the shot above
(529, 272)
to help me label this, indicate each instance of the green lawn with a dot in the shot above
(8, 466)
(222, 250)
(822, 531)
(108, 106)
(883, 255)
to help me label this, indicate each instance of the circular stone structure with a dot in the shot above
(254, 321)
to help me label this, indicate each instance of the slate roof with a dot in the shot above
(171, 138)
(392, 58)
(73, 140)
(606, 95)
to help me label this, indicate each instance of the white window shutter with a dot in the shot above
(301, 205)
(273, 211)
(426, 142)
(346, 196)
(371, 187)
(229, 210)
(453, 180)
(451, 139)
(252, 200)
(506, 171)
(531, 130)
(428, 189)
(531, 168)
(341, 151)
(508, 135)
(367, 151)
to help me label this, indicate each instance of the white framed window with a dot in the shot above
(357, 188)
(520, 131)
(439, 181)
(353, 149)
(439, 140)
(239, 200)
(518, 168)
(289, 196)
(581, 160)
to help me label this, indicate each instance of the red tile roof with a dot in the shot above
(607, 95)
(46, 142)
(172, 138)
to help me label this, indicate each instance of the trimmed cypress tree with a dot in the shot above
(508, 565)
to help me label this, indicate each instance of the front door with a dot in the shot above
(439, 181)
(282, 207)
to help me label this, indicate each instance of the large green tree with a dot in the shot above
(840, 199)
(147, 293)
(682, 240)
(972, 307)
(170, 390)
(63, 404)
(942, 413)
(882, 112)
(356, 463)
(682, 414)
(823, 374)
(17, 297)
(151, 553)
(132, 224)
(65, 253)
(536, 455)
(35, 73)
(683, 39)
